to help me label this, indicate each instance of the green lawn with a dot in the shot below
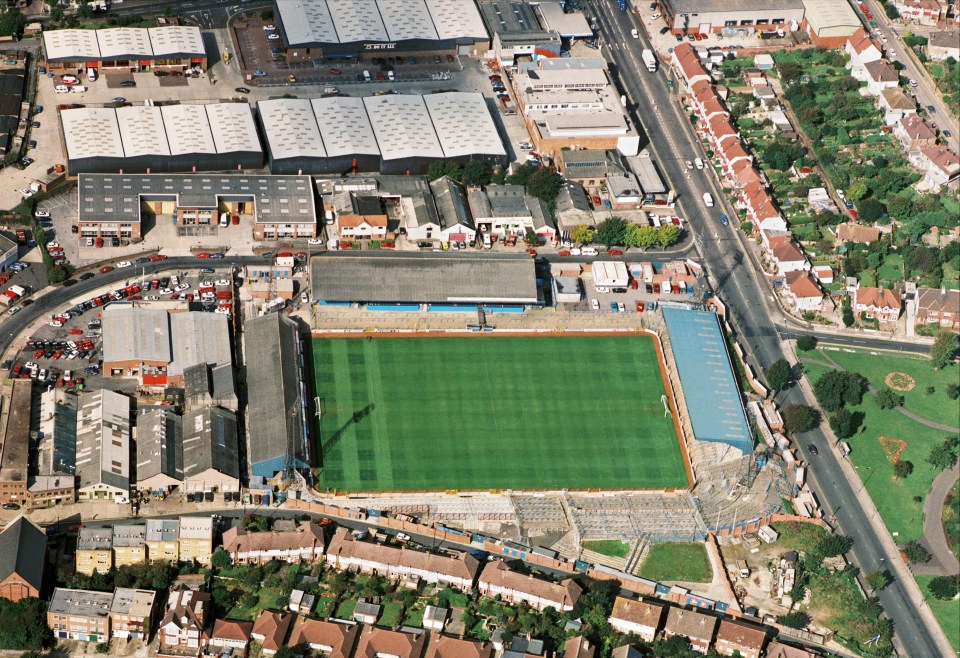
(685, 562)
(325, 606)
(946, 612)
(390, 616)
(345, 609)
(894, 498)
(608, 547)
(493, 412)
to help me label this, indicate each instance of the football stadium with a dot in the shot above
(495, 412)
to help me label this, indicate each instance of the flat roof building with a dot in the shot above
(396, 133)
(516, 30)
(212, 137)
(103, 445)
(15, 412)
(278, 436)
(829, 23)
(125, 49)
(723, 16)
(406, 279)
(80, 614)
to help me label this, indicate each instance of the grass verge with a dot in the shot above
(684, 562)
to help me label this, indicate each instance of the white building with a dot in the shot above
(103, 446)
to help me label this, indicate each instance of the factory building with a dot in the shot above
(722, 16)
(125, 49)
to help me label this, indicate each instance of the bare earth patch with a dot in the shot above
(893, 448)
(900, 381)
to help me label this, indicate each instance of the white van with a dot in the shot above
(390, 76)
(698, 163)
(78, 89)
(92, 74)
(366, 76)
(224, 219)
(588, 251)
(708, 200)
(62, 89)
(634, 33)
(487, 244)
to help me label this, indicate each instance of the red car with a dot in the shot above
(157, 257)
(74, 331)
(634, 284)
(563, 252)
(614, 252)
(99, 243)
(284, 254)
(640, 307)
(224, 294)
(203, 254)
(235, 220)
(38, 354)
(596, 200)
(346, 245)
(105, 269)
(334, 71)
(387, 245)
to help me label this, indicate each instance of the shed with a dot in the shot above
(763, 61)
(768, 534)
(610, 274)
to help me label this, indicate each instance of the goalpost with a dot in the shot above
(666, 406)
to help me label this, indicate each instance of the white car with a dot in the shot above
(122, 501)
(223, 282)
(89, 242)
(913, 83)
(621, 307)
(841, 194)
(273, 36)
(602, 289)
(314, 241)
(41, 214)
(182, 286)
(206, 284)
(655, 16)
(14, 310)
(891, 53)
(223, 311)
(53, 244)
(152, 298)
(594, 304)
(26, 191)
(269, 27)
(166, 291)
(698, 163)
(56, 323)
(689, 164)
(402, 536)
(123, 263)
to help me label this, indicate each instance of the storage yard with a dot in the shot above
(494, 413)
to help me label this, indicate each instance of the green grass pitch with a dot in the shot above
(489, 412)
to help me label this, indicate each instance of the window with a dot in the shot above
(748, 22)
(730, 23)
(763, 21)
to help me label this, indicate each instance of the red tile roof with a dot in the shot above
(942, 158)
(498, 574)
(638, 612)
(877, 298)
(226, 629)
(442, 646)
(860, 41)
(733, 150)
(802, 285)
(741, 635)
(273, 627)
(306, 536)
(376, 642)
(788, 252)
(341, 638)
(916, 128)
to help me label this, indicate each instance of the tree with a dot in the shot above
(582, 234)
(916, 554)
(953, 391)
(778, 374)
(846, 313)
(844, 424)
(790, 72)
(12, 22)
(944, 587)
(285, 651)
(807, 343)
(781, 154)
(800, 418)
(545, 185)
(902, 469)
(829, 389)
(476, 173)
(888, 399)
(833, 545)
(877, 580)
(56, 14)
(674, 647)
(667, 235)
(871, 210)
(943, 348)
(531, 238)
(611, 231)
(857, 190)
(943, 455)
(440, 169)
(220, 559)
(85, 11)
(794, 619)
(640, 236)
(521, 175)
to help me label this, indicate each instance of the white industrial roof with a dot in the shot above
(291, 127)
(403, 127)
(463, 124)
(306, 21)
(176, 40)
(232, 127)
(71, 44)
(358, 20)
(345, 126)
(829, 18)
(123, 42)
(188, 130)
(90, 132)
(457, 18)
(407, 19)
(573, 24)
(142, 131)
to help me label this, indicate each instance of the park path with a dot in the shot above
(830, 363)
(942, 562)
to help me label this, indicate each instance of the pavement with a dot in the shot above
(751, 308)
(942, 560)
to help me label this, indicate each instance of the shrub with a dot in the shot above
(800, 418)
(916, 554)
(941, 352)
(902, 469)
(833, 546)
(953, 391)
(877, 580)
(944, 455)
(795, 619)
(945, 587)
(807, 343)
(888, 399)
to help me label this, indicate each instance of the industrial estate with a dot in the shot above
(480, 328)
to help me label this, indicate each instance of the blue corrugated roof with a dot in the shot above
(706, 375)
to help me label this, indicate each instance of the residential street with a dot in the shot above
(734, 279)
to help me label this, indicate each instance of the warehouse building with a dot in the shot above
(125, 49)
(395, 133)
(211, 453)
(410, 280)
(213, 137)
(829, 23)
(278, 437)
(159, 449)
(103, 446)
(11, 105)
(725, 17)
(516, 31)
(313, 30)
(116, 204)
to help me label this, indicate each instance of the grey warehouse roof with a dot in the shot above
(173, 41)
(730, 6)
(403, 127)
(159, 444)
(210, 441)
(463, 124)
(418, 279)
(199, 338)
(117, 197)
(135, 334)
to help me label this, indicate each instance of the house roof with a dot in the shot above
(307, 535)
(741, 635)
(187, 609)
(944, 39)
(226, 629)
(23, 551)
(273, 627)
(777, 650)
(442, 646)
(802, 285)
(713, 106)
(375, 642)
(877, 297)
(691, 624)
(943, 159)
(881, 71)
(310, 632)
(916, 128)
(939, 300)
(637, 612)
(848, 232)
(345, 545)
(721, 127)
(861, 40)
(688, 61)
(578, 647)
(746, 173)
(788, 252)
(498, 574)
(733, 150)
(897, 100)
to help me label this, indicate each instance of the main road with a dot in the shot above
(724, 252)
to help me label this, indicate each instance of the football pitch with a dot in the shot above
(493, 412)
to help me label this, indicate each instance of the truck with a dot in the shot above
(649, 59)
(708, 200)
